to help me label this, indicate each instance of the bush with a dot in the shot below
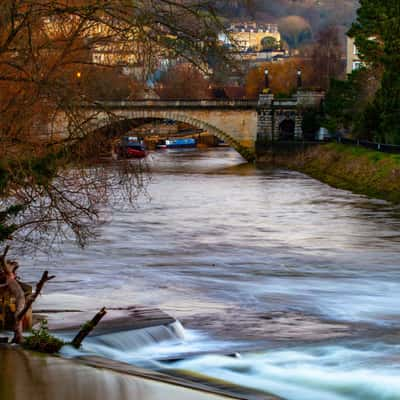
(42, 341)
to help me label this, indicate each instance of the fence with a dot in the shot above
(384, 148)
(290, 145)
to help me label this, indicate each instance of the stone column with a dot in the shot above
(264, 121)
(298, 129)
(306, 100)
(277, 122)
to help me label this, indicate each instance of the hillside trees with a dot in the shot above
(183, 81)
(295, 30)
(269, 43)
(282, 77)
(49, 186)
(326, 57)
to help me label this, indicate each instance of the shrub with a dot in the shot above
(42, 341)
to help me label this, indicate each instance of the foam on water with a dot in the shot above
(147, 345)
(125, 345)
(321, 373)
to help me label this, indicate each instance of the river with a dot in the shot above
(301, 279)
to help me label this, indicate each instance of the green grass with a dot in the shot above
(373, 155)
(354, 168)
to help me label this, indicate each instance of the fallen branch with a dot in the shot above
(87, 328)
(31, 299)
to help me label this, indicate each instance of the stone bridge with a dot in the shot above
(240, 123)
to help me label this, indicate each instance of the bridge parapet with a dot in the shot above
(175, 104)
(234, 121)
(309, 98)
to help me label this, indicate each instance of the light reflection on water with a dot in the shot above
(244, 253)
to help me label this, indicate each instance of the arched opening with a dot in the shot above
(286, 129)
(194, 126)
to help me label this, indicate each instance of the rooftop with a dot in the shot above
(253, 27)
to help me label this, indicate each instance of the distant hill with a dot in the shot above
(318, 13)
(297, 19)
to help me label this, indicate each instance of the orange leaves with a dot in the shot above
(183, 82)
(282, 77)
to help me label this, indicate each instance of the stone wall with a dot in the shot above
(272, 112)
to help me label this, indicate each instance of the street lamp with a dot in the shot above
(266, 76)
(299, 79)
(78, 77)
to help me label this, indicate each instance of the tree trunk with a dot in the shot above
(16, 290)
(22, 305)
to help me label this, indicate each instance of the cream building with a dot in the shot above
(353, 59)
(103, 45)
(249, 35)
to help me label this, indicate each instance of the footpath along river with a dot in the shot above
(303, 280)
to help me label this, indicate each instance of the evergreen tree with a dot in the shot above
(377, 37)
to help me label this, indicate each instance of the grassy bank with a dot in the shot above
(354, 168)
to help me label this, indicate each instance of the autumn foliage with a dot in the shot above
(57, 60)
(282, 77)
(183, 81)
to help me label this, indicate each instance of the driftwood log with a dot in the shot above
(87, 328)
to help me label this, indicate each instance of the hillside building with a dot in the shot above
(249, 35)
(353, 61)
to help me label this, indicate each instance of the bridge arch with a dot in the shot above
(245, 152)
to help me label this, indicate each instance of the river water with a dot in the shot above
(301, 279)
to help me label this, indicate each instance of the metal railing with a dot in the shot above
(384, 148)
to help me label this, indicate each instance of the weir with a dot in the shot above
(128, 343)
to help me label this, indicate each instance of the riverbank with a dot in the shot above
(360, 170)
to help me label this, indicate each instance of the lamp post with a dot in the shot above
(78, 78)
(266, 81)
(299, 79)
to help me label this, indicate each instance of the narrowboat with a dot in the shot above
(130, 147)
(180, 143)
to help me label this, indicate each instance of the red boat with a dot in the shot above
(135, 151)
(129, 148)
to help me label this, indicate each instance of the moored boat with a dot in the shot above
(180, 143)
(161, 144)
(130, 147)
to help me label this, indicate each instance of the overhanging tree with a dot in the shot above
(49, 186)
